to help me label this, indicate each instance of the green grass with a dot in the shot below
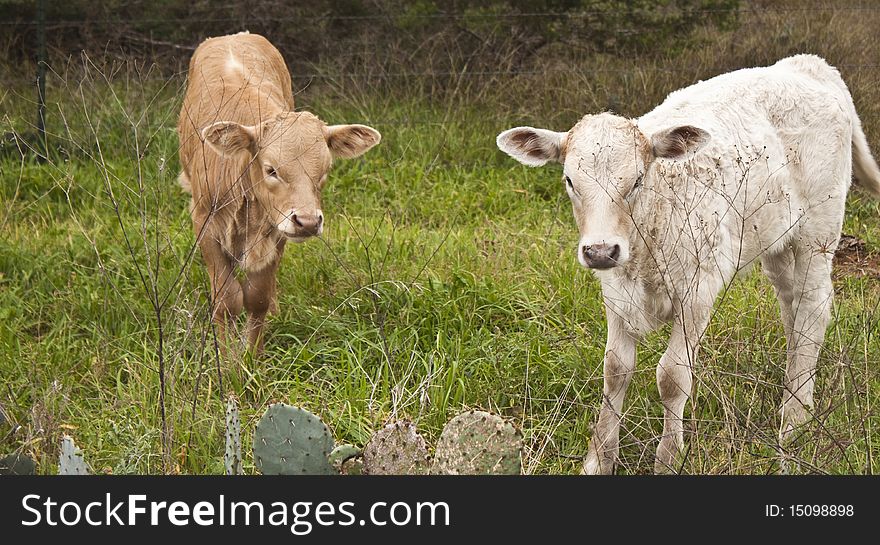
(446, 279)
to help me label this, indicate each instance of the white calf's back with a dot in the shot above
(748, 166)
(779, 158)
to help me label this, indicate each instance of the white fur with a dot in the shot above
(550, 141)
(233, 65)
(767, 182)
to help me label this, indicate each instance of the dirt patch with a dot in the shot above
(854, 259)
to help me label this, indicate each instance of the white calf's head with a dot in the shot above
(605, 158)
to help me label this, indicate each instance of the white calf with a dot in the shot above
(750, 165)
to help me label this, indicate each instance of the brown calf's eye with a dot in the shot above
(270, 171)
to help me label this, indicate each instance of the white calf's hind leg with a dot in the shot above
(811, 311)
(619, 364)
(779, 269)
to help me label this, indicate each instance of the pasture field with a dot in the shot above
(446, 277)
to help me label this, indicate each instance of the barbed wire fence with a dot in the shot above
(749, 16)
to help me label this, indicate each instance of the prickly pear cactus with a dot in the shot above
(346, 459)
(232, 457)
(71, 461)
(292, 441)
(396, 449)
(478, 443)
(17, 464)
(352, 466)
(341, 453)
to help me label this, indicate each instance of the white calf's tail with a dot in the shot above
(864, 166)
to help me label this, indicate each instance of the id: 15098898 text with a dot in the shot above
(809, 510)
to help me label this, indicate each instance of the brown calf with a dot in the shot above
(255, 169)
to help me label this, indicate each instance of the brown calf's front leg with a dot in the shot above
(260, 288)
(226, 293)
(259, 292)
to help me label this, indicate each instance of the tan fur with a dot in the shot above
(255, 169)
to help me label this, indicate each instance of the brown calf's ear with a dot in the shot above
(349, 141)
(679, 141)
(227, 137)
(533, 147)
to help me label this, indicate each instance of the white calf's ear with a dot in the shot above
(677, 142)
(349, 141)
(228, 137)
(533, 147)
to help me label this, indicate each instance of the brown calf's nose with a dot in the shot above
(308, 224)
(601, 256)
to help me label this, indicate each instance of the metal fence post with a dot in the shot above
(43, 146)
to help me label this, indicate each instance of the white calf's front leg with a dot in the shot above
(619, 364)
(675, 381)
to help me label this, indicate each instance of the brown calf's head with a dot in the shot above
(605, 158)
(290, 158)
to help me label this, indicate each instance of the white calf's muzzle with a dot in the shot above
(602, 253)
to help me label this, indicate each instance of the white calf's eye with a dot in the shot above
(638, 181)
(636, 185)
(568, 183)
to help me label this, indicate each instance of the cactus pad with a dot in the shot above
(346, 459)
(71, 461)
(292, 441)
(17, 464)
(478, 443)
(352, 466)
(232, 456)
(341, 453)
(396, 449)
